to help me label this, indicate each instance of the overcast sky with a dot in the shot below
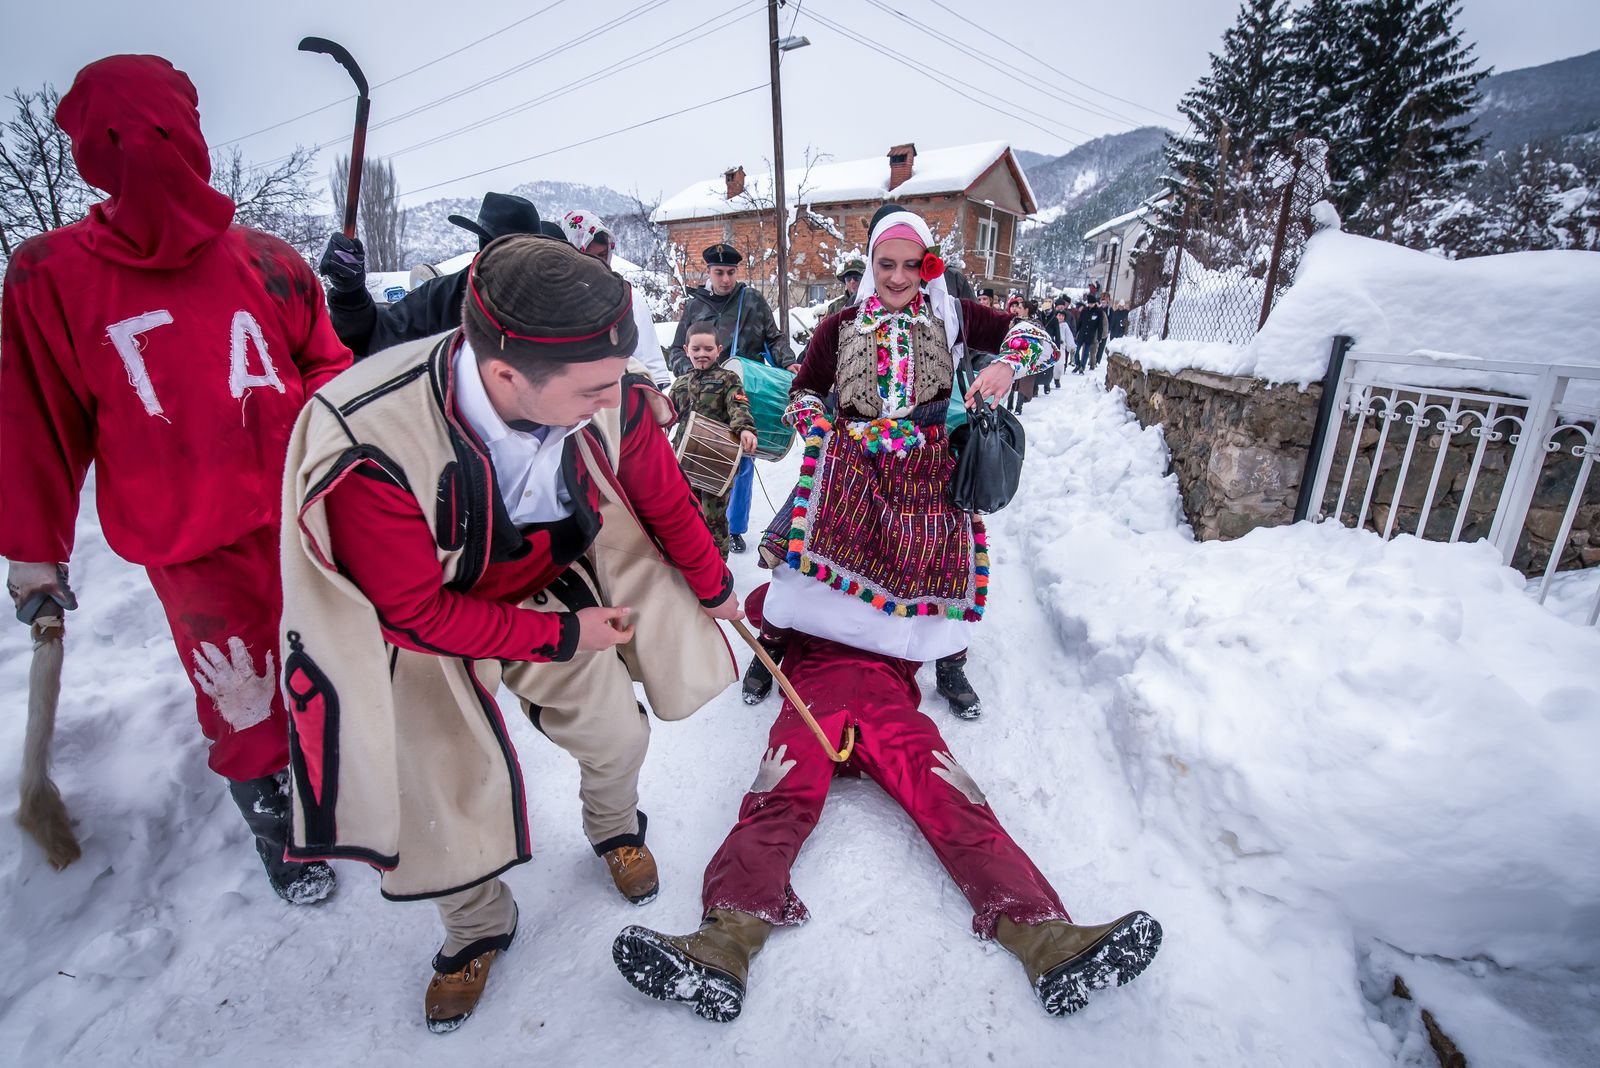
(845, 97)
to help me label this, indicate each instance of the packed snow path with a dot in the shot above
(164, 944)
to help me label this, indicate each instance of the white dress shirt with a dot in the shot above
(527, 465)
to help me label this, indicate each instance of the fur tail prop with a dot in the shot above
(42, 812)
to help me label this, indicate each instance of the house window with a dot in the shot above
(1105, 252)
(816, 294)
(988, 243)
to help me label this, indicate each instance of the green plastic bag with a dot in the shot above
(768, 390)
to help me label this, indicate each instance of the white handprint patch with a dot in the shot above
(773, 769)
(243, 698)
(957, 776)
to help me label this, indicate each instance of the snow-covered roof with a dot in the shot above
(1143, 211)
(938, 170)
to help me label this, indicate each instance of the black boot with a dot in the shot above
(757, 679)
(264, 802)
(951, 671)
(736, 543)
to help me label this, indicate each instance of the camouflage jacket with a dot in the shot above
(717, 392)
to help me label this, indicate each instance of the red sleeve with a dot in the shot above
(983, 328)
(819, 363)
(664, 503)
(382, 543)
(46, 428)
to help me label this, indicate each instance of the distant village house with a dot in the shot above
(973, 196)
(1113, 249)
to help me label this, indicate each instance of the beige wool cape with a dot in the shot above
(400, 758)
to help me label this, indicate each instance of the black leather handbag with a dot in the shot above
(988, 451)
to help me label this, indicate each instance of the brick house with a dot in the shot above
(973, 196)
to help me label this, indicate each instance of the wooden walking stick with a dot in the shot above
(41, 812)
(358, 141)
(835, 755)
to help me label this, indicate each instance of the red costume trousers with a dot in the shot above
(902, 751)
(223, 609)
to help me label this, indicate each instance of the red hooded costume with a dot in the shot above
(173, 350)
(152, 337)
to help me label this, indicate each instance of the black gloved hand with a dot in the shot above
(344, 264)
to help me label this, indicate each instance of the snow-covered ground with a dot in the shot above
(1317, 758)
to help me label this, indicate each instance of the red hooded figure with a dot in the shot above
(173, 350)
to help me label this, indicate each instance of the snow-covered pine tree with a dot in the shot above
(1323, 63)
(1239, 115)
(1405, 140)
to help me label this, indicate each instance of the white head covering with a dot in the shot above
(581, 227)
(944, 305)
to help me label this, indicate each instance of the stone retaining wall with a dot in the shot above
(1239, 446)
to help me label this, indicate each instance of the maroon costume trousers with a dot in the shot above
(901, 750)
(223, 610)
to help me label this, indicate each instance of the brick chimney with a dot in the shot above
(734, 180)
(901, 159)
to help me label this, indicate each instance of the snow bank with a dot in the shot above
(1529, 306)
(1393, 733)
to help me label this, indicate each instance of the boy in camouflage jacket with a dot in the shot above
(715, 390)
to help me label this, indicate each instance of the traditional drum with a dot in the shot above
(709, 454)
(768, 390)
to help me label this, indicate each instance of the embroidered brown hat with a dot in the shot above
(548, 299)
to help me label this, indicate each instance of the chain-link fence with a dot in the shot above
(1221, 278)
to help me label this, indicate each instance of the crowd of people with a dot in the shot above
(362, 520)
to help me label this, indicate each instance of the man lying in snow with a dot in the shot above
(494, 503)
(173, 351)
(747, 890)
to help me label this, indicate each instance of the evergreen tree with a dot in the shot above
(1324, 64)
(1240, 115)
(1403, 140)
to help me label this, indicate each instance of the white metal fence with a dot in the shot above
(1485, 435)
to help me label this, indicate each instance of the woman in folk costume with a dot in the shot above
(877, 572)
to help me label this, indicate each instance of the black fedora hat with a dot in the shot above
(501, 214)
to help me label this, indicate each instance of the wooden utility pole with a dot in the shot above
(780, 205)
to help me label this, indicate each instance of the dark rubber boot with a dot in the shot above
(736, 543)
(951, 672)
(264, 802)
(1066, 962)
(757, 679)
(706, 970)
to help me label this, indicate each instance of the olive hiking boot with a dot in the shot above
(1065, 961)
(706, 970)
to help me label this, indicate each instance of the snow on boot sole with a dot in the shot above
(1116, 960)
(656, 967)
(310, 886)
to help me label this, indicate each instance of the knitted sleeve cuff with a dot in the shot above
(722, 594)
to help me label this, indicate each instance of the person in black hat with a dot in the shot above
(431, 308)
(745, 327)
(745, 323)
(469, 552)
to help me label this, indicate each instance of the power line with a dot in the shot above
(589, 140)
(945, 80)
(586, 36)
(999, 65)
(397, 77)
(655, 51)
(1046, 66)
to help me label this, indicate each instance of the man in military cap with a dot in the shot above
(431, 308)
(497, 504)
(850, 275)
(745, 323)
(745, 327)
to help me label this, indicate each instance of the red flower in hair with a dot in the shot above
(932, 266)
